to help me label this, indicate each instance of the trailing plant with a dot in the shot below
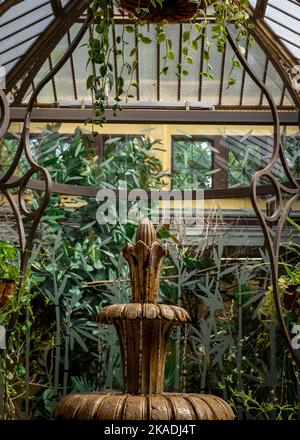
(104, 45)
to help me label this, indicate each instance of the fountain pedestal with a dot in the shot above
(143, 328)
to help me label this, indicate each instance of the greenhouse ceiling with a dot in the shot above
(34, 34)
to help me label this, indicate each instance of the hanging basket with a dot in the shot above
(7, 288)
(172, 11)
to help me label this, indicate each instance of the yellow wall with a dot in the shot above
(165, 133)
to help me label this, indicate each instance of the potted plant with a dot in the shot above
(157, 11)
(102, 47)
(289, 284)
(9, 272)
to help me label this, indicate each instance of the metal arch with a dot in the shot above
(29, 64)
(280, 56)
(5, 111)
(22, 183)
(279, 217)
(5, 6)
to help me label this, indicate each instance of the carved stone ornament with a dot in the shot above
(143, 328)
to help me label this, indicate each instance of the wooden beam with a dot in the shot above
(130, 116)
(34, 58)
(4, 7)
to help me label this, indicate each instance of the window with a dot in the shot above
(192, 162)
(246, 155)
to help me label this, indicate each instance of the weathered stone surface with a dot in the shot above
(143, 328)
(95, 406)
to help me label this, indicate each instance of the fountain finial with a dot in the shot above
(145, 260)
(146, 232)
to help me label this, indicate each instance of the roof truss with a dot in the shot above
(35, 57)
(28, 66)
(280, 56)
(6, 5)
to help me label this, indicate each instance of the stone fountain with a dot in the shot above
(143, 328)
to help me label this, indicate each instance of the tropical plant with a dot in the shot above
(77, 268)
(289, 283)
(9, 264)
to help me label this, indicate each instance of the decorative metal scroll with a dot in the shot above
(291, 190)
(19, 185)
(276, 219)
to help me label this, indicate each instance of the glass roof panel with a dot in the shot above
(22, 24)
(283, 17)
(167, 88)
(20, 27)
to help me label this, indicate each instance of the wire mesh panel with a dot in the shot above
(168, 84)
(147, 66)
(81, 68)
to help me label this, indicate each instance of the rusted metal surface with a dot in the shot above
(173, 11)
(20, 184)
(66, 189)
(7, 4)
(286, 195)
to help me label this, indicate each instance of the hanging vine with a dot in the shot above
(104, 45)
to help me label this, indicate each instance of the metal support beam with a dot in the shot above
(279, 55)
(32, 61)
(129, 116)
(5, 6)
(91, 192)
(260, 8)
(56, 7)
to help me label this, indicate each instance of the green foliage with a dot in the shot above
(101, 50)
(55, 346)
(27, 337)
(9, 264)
(289, 284)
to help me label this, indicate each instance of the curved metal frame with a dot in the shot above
(21, 184)
(278, 218)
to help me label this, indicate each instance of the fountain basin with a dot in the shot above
(143, 311)
(115, 406)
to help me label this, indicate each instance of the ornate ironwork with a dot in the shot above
(282, 190)
(286, 194)
(19, 185)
